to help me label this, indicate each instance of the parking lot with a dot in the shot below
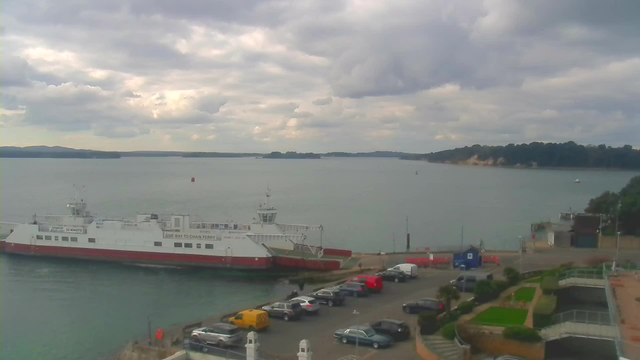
(282, 338)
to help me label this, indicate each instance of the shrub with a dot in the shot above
(465, 307)
(512, 275)
(428, 323)
(521, 333)
(449, 331)
(499, 286)
(453, 316)
(597, 260)
(549, 284)
(543, 310)
(484, 291)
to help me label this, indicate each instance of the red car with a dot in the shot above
(374, 283)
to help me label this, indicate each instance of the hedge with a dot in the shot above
(543, 311)
(549, 284)
(499, 286)
(521, 333)
(428, 323)
(453, 316)
(449, 331)
(465, 307)
(484, 291)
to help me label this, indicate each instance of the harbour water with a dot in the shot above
(63, 309)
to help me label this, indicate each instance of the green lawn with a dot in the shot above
(525, 293)
(497, 316)
(535, 280)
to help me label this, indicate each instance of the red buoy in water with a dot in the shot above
(193, 179)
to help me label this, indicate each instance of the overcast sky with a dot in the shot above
(318, 75)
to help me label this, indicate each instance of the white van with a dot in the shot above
(410, 269)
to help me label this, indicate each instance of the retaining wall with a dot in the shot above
(626, 242)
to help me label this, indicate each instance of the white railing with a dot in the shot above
(580, 323)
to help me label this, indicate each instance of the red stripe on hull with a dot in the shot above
(141, 257)
(311, 264)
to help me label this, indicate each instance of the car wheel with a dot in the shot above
(205, 349)
(344, 340)
(330, 303)
(252, 328)
(397, 280)
(375, 345)
(285, 317)
(407, 310)
(220, 344)
(196, 339)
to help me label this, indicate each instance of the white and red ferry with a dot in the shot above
(170, 240)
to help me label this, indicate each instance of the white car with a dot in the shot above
(310, 305)
(410, 269)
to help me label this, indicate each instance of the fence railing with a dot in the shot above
(613, 309)
(233, 353)
(582, 274)
(583, 317)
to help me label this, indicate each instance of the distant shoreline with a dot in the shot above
(526, 167)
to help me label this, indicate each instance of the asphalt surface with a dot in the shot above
(282, 339)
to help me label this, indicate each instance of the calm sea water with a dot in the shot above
(66, 310)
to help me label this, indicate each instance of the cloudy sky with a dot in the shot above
(318, 75)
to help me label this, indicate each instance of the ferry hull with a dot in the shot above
(140, 257)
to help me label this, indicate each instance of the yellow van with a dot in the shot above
(251, 320)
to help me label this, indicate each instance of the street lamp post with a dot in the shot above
(617, 232)
(357, 313)
(520, 238)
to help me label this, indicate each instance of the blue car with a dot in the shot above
(354, 289)
(365, 335)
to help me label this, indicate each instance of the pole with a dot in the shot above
(149, 328)
(357, 313)
(617, 232)
(408, 236)
(394, 243)
(321, 230)
(520, 254)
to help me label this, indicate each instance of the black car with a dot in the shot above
(329, 297)
(354, 289)
(421, 305)
(396, 329)
(393, 275)
(286, 310)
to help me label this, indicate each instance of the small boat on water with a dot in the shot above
(577, 181)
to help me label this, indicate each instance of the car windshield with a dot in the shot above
(369, 332)
(312, 302)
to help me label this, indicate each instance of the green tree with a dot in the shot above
(628, 214)
(446, 294)
(512, 275)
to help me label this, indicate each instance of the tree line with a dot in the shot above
(538, 154)
(623, 206)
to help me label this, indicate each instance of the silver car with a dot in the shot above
(219, 334)
(310, 305)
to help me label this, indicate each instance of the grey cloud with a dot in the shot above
(471, 71)
(323, 101)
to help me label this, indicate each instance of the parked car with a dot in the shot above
(365, 335)
(251, 320)
(309, 304)
(329, 297)
(421, 305)
(466, 282)
(396, 329)
(374, 283)
(354, 289)
(219, 334)
(410, 269)
(287, 310)
(393, 275)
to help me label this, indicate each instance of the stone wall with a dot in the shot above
(497, 345)
(626, 242)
